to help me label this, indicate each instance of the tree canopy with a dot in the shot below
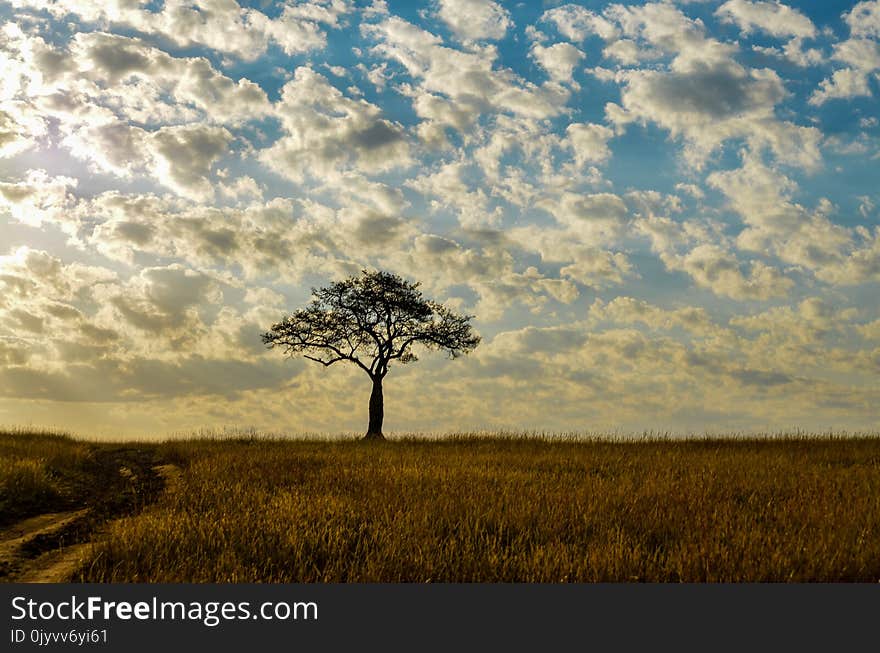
(371, 320)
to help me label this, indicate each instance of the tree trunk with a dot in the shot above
(377, 411)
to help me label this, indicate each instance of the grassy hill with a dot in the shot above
(485, 509)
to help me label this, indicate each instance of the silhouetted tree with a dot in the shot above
(371, 320)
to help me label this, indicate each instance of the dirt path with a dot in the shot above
(14, 536)
(49, 548)
(20, 541)
(54, 566)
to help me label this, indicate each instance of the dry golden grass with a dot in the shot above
(507, 509)
(36, 472)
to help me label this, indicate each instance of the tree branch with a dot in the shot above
(375, 316)
(323, 362)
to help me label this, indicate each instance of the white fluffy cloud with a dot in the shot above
(179, 157)
(709, 103)
(712, 267)
(589, 142)
(326, 131)
(183, 157)
(628, 310)
(599, 217)
(774, 18)
(577, 23)
(864, 19)
(20, 129)
(133, 78)
(777, 20)
(474, 20)
(860, 55)
(559, 59)
(221, 25)
(455, 86)
(37, 198)
(706, 97)
(795, 234)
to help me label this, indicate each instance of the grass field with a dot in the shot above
(498, 509)
(40, 472)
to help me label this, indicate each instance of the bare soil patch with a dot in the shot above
(50, 547)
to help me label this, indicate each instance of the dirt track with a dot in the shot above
(50, 548)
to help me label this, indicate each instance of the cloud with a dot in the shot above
(184, 156)
(795, 52)
(778, 20)
(222, 25)
(275, 234)
(664, 26)
(810, 321)
(577, 23)
(327, 133)
(449, 188)
(467, 80)
(712, 101)
(559, 59)
(629, 310)
(592, 365)
(763, 197)
(598, 217)
(870, 331)
(863, 58)
(43, 300)
(33, 273)
(37, 198)
(164, 304)
(864, 19)
(580, 259)
(597, 268)
(712, 267)
(843, 84)
(474, 20)
(860, 54)
(490, 271)
(119, 103)
(180, 157)
(280, 240)
(97, 76)
(141, 379)
(11, 354)
(702, 96)
(589, 142)
(134, 78)
(700, 250)
(774, 18)
(20, 129)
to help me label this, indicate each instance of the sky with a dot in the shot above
(663, 216)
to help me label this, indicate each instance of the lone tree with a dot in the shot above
(371, 320)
